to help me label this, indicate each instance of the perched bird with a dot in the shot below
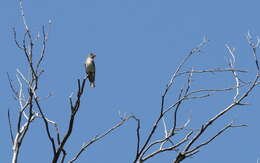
(91, 69)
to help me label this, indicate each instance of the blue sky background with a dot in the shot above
(138, 45)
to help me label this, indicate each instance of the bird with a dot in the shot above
(91, 69)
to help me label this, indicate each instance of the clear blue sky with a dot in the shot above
(138, 45)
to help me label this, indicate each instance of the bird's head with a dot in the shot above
(92, 55)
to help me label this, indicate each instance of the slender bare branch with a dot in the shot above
(186, 138)
(10, 126)
(230, 125)
(254, 46)
(74, 110)
(46, 124)
(12, 86)
(100, 136)
(23, 16)
(232, 62)
(15, 39)
(212, 71)
(137, 134)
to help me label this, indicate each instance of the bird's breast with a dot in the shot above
(90, 67)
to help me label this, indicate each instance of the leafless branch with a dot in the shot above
(10, 126)
(74, 109)
(12, 86)
(15, 39)
(100, 136)
(25, 99)
(169, 85)
(137, 134)
(212, 71)
(44, 41)
(230, 125)
(23, 16)
(232, 66)
(254, 46)
(46, 124)
(188, 94)
(236, 102)
(19, 138)
(186, 138)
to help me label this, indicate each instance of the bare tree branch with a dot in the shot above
(46, 124)
(232, 66)
(186, 138)
(230, 125)
(169, 85)
(12, 86)
(100, 136)
(187, 152)
(10, 126)
(74, 109)
(212, 71)
(186, 94)
(24, 98)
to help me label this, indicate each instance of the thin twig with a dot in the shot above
(10, 126)
(100, 136)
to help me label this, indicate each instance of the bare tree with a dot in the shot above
(27, 86)
(30, 108)
(189, 145)
(30, 104)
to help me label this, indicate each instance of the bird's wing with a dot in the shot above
(94, 66)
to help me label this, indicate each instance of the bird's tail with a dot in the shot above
(92, 85)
